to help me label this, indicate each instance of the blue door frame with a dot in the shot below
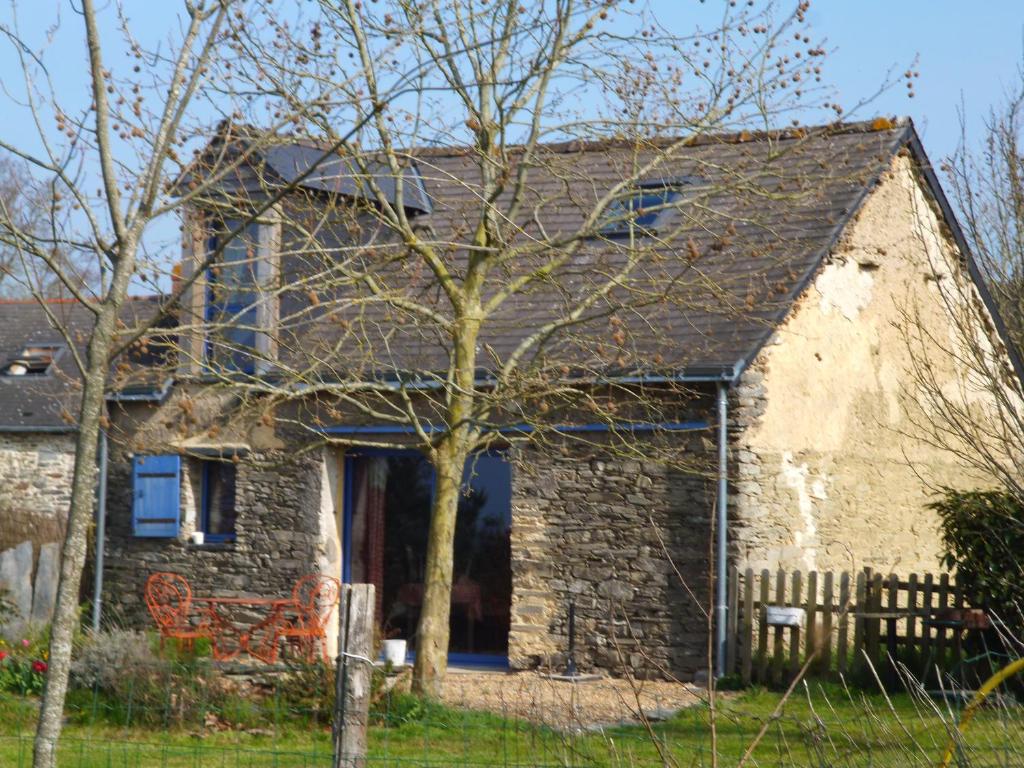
(491, 661)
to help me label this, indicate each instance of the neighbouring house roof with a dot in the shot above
(45, 402)
(783, 199)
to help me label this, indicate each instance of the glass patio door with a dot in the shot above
(387, 516)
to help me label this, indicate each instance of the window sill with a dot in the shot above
(211, 545)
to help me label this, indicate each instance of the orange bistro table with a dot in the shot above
(300, 619)
(230, 636)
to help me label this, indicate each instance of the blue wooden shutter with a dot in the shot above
(156, 504)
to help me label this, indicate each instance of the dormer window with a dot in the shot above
(640, 210)
(34, 360)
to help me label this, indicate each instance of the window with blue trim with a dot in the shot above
(388, 498)
(217, 504)
(231, 297)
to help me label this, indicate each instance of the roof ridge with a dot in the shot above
(72, 300)
(742, 136)
(874, 125)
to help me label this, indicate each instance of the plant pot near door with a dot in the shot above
(394, 652)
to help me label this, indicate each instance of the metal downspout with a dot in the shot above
(101, 525)
(722, 529)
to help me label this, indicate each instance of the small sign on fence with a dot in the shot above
(780, 616)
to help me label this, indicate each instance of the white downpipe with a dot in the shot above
(101, 525)
(722, 529)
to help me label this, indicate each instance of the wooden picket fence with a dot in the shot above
(850, 619)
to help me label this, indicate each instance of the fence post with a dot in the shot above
(811, 631)
(873, 625)
(355, 669)
(794, 632)
(762, 629)
(958, 636)
(748, 625)
(859, 604)
(778, 671)
(926, 627)
(891, 632)
(842, 646)
(940, 640)
(912, 621)
(732, 633)
(825, 663)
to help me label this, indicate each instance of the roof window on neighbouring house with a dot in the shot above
(34, 360)
(639, 210)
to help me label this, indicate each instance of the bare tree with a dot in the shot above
(26, 204)
(107, 160)
(490, 270)
(980, 419)
(988, 188)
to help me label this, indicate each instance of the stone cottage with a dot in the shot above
(791, 346)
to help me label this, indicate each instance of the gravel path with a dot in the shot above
(560, 703)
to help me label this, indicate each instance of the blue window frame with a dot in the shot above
(217, 508)
(156, 496)
(639, 210)
(231, 296)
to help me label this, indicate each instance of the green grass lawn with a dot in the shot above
(824, 725)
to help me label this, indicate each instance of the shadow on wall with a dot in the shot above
(18, 526)
(27, 594)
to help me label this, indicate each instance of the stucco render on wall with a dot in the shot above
(830, 471)
(35, 487)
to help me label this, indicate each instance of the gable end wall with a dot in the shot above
(829, 469)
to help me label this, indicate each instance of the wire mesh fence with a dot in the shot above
(185, 715)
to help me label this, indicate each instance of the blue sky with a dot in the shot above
(969, 49)
(966, 49)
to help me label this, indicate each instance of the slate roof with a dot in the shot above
(770, 209)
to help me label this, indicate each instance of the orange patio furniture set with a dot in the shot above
(298, 621)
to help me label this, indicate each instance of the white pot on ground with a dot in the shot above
(394, 652)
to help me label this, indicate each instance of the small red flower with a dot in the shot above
(39, 666)
(3, 655)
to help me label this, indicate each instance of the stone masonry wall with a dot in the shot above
(278, 500)
(609, 533)
(35, 487)
(829, 468)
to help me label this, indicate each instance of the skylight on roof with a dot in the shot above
(640, 210)
(34, 360)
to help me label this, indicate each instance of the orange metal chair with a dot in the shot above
(314, 598)
(169, 600)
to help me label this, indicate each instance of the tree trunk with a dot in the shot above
(433, 629)
(449, 463)
(83, 489)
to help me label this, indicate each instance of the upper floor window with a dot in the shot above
(641, 209)
(232, 299)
